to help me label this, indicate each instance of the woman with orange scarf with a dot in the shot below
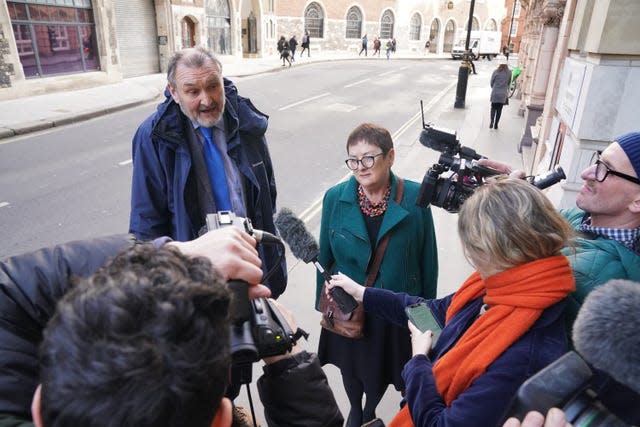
(505, 322)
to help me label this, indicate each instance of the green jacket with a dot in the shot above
(596, 261)
(410, 262)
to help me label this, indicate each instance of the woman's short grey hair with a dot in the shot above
(510, 222)
(193, 57)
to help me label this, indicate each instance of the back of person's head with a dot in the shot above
(503, 66)
(142, 342)
(509, 222)
(372, 134)
(192, 57)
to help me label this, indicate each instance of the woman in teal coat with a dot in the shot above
(356, 215)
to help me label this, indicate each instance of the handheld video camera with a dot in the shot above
(258, 328)
(564, 384)
(450, 192)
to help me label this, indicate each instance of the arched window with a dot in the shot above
(218, 26)
(188, 30)
(314, 20)
(491, 25)
(414, 29)
(354, 23)
(449, 33)
(386, 25)
(475, 25)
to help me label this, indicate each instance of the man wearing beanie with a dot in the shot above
(607, 220)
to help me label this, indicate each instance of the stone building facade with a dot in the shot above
(581, 83)
(56, 45)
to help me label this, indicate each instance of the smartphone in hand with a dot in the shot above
(421, 316)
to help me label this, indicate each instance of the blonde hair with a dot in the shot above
(509, 222)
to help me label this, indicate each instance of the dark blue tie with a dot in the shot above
(215, 166)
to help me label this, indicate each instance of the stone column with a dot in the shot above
(549, 17)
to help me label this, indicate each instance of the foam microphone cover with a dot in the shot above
(293, 231)
(606, 332)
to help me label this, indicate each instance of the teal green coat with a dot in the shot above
(410, 263)
(596, 261)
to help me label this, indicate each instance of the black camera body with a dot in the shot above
(258, 328)
(564, 384)
(451, 191)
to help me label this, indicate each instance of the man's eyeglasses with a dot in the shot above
(603, 170)
(366, 162)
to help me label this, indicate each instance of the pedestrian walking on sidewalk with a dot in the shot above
(283, 48)
(389, 48)
(376, 46)
(357, 215)
(499, 92)
(365, 42)
(293, 45)
(306, 41)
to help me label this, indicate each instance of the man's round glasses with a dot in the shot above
(603, 170)
(366, 161)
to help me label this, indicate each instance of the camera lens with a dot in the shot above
(586, 411)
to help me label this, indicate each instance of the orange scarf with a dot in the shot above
(516, 297)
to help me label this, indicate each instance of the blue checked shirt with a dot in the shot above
(629, 237)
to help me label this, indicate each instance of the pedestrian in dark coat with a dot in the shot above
(365, 43)
(500, 80)
(283, 48)
(293, 45)
(306, 41)
(376, 46)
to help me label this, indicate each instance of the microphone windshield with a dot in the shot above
(605, 332)
(293, 231)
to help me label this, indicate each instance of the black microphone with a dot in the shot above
(304, 246)
(605, 332)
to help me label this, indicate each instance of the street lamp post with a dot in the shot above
(463, 71)
(513, 12)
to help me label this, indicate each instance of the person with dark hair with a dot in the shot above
(372, 206)
(365, 45)
(501, 326)
(306, 41)
(283, 48)
(376, 46)
(500, 80)
(204, 150)
(293, 45)
(142, 341)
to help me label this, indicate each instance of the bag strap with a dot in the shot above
(377, 260)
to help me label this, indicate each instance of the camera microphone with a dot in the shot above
(605, 332)
(304, 247)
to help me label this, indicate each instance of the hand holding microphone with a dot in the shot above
(304, 247)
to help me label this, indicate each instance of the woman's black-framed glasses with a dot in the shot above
(603, 170)
(366, 161)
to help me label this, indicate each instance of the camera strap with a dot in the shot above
(377, 260)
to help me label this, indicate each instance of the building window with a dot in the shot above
(54, 36)
(516, 13)
(491, 25)
(414, 30)
(386, 25)
(270, 6)
(218, 21)
(188, 30)
(354, 23)
(314, 20)
(514, 28)
(475, 25)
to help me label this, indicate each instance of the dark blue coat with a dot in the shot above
(164, 199)
(484, 403)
